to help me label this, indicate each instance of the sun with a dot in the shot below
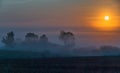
(104, 20)
(107, 18)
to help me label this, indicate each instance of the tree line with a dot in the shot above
(68, 38)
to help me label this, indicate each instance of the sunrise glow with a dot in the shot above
(106, 18)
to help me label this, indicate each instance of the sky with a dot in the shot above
(85, 18)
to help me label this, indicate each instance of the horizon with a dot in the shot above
(84, 18)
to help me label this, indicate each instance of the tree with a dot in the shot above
(9, 39)
(43, 38)
(68, 38)
(31, 37)
(109, 50)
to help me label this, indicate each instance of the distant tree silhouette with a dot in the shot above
(31, 37)
(109, 50)
(68, 38)
(9, 39)
(44, 38)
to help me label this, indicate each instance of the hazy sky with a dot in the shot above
(78, 16)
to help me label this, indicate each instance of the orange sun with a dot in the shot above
(107, 18)
(104, 20)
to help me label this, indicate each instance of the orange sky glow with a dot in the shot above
(83, 17)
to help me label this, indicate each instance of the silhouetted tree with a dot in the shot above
(68, 38)
(31, 37)
(9, 39)
(43, 38)
(109, 50)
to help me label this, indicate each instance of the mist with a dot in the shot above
(44, 46)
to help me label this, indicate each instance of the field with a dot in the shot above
(98, 64)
